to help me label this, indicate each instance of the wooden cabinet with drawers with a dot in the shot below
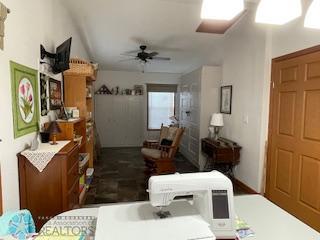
(223, 154)
(53, 191)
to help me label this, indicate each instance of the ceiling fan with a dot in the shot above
(143, 56)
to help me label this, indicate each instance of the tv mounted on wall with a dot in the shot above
(60, 59)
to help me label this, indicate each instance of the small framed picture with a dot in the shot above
(44, 94)
(55, 94)
(226, 99)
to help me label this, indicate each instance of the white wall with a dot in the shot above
(210, 93)
(244, 68)
(248, 51)
(29, 24)
(124, 80)
(293, 37)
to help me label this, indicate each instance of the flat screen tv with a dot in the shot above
(62, 57)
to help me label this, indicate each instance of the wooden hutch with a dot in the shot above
(78, 92)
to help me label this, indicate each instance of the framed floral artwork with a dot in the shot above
(24, 87)
(55, 94)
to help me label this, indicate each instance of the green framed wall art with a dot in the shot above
(25, 105)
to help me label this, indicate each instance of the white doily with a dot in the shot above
(41, 157)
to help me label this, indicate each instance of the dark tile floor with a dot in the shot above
(119, 176)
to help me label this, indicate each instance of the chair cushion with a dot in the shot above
(153, 153)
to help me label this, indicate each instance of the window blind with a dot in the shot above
(162, 88)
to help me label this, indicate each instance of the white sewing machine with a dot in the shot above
(212, 196)
(209, 216)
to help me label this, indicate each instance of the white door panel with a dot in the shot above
(194, 132)
(194, 116)
(189, 116)
(194, 146)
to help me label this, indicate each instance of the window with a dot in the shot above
(161, 105)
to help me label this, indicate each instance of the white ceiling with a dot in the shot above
(110, 28)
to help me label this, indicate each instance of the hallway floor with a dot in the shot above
(119, 176)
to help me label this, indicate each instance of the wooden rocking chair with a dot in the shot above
(159, 158)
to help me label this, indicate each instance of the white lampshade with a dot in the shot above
(221, 9)
(278, 12)
(312, 19)
(217, 120)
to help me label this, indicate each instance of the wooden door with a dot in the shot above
(294, 154)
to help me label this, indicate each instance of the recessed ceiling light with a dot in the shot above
(221, 9)
(278, 12)
(313, 15)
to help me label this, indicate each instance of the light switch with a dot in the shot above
(246, 119)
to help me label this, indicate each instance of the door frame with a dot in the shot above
(271, 106)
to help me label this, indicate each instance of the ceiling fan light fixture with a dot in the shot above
(312, 19)
(278, 12)
(221, 9)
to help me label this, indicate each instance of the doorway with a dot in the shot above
(293, 171)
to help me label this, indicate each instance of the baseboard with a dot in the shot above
(243, 186)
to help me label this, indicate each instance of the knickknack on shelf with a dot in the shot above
(136, 91)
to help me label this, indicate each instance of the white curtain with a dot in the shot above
(3, 17)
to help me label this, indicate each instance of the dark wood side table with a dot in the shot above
(222, 154)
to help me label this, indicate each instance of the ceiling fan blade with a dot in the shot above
(161, 58)
(127, 60)
(133, 51)
(153, 54)
(129, 54)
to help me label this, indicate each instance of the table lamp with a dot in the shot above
(54, 129)
(217, 123)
